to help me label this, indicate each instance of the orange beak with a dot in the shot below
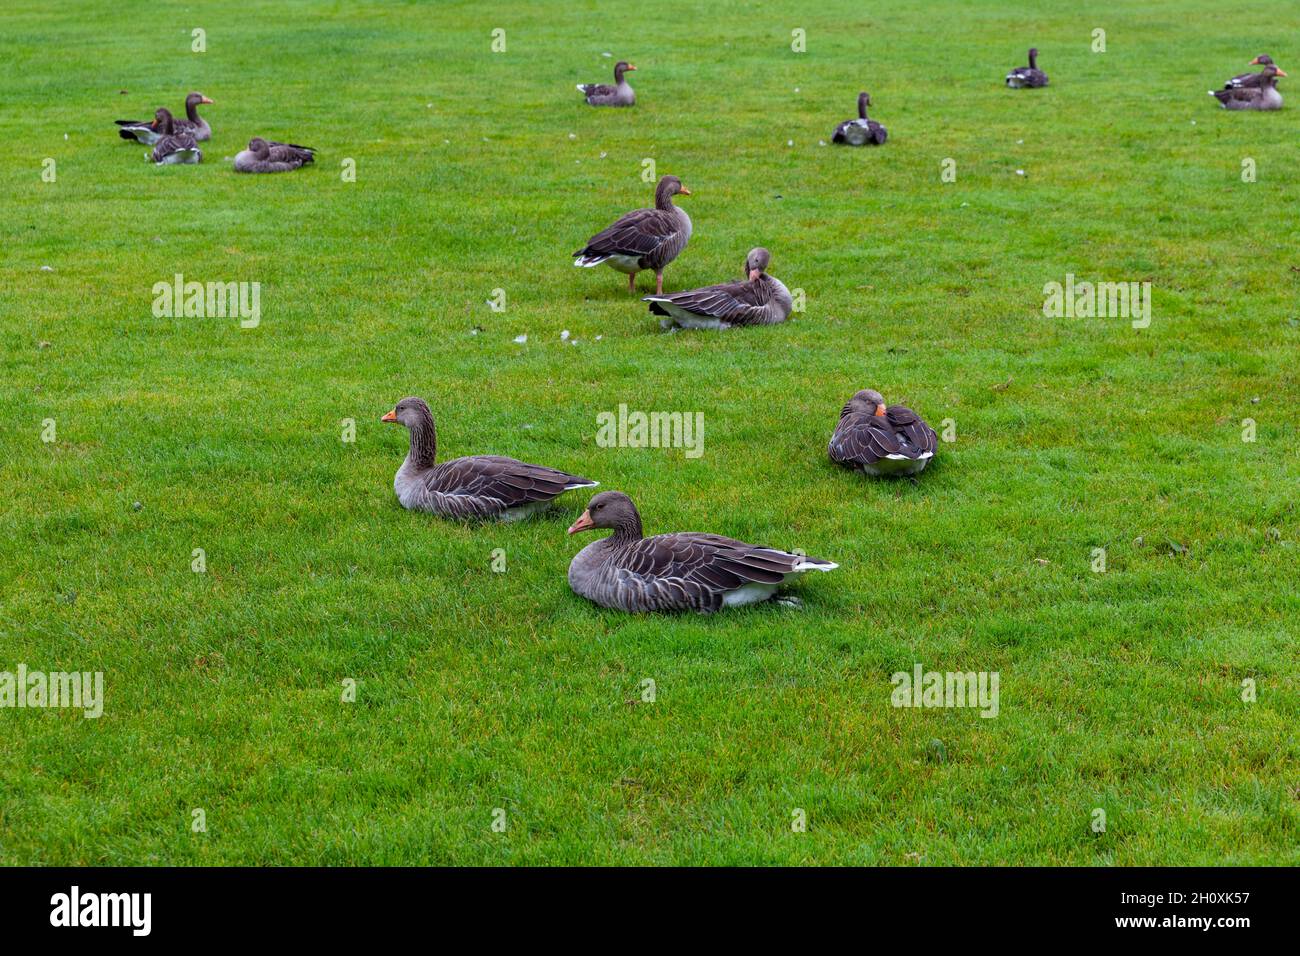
(754, 274)
(631, 66)
(582, 524)
(205, 100)
(1253, 62)
(880, 411)
(1281, 72)
(687, 192)
(390, 416)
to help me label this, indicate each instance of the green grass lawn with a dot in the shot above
(479, 690)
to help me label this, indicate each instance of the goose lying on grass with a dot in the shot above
(880, 440)
(266, 156)
(1027, 77)
(758, 299)
(150, 133)
(1250, 79)
(686, 571)
(860, 131)
(173, 148)
(602, 94)
(1262, 97)
(643, 238)
(480, 486)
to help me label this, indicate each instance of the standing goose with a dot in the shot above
(1250, 79)
(480, 486)
(642, 239)
(620, 94)
(1263, 97)
(861, 131)
(686, 571)
(173, 148)
(880, 440)
(263, 156)
(758, 300)
(1027, 77)
(150, 133)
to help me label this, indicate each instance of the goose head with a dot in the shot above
(1271, 73)
(868, 402)
(1033, 57)
(196, 99)
(162, 121)
(621, 67)
(756, 263)
(864, 100)
(1262, 60)
(609, 509)
(260, 148)
(669, 186)
(411, 412)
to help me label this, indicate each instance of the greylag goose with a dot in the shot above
(860, 131)
(1027, 77)
(642, 239)
(602, 94)
(263, 156)
(881, 440)
(1262, 97)
(149, 133)
(173, 148)
(1250, 79)
(759, 299)
(686, 571)
(480, 486)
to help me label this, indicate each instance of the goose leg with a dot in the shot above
(631, 282)
(659, 282)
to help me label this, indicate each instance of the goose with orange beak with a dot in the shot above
(683, 571)
(759, 299)
(643, 238)
(1247, 80)
(1262, 97)
(620, 94)
(879, 439)
(149, 133)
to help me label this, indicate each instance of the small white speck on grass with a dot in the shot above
(521, 339)
(1193, 122)
(796, 89)
(65, 135)
(47, 268)
(564, 336)
(1020, 142)
(446, 142)
(964, 205)
(607, 55)
(821, 142)
(603, 155)
(573, 136)
(473, 331)
(1020, 172)
(428, 106)
(789, 142)
(42, 345)
(599, 337)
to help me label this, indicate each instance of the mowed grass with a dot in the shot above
(479, 690)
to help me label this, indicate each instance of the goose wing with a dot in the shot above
(500, 482)
(639, 233)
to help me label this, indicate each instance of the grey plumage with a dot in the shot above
(1262, 97)
(686, 571)
(479, 486)
(1027, 77)
(643, 238)
(173, 148)
(268, 156)
(149, 133)
(758, 299)
(1250, 80)
(880, 440)
(602, 94)
(861, 131)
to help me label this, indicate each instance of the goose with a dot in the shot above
(880, 440)
(602, 94)
(173, 148)
(759, 299)
(860, 131)
(149, 133)
(1250, 79)
(480, 486)
(642, 239)
(1262, 97)
(686, 571)
(267, 156)
(1027, 77)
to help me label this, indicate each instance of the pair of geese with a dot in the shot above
(681, 571)
(176, 142)
(1252, 91)
(652, 238)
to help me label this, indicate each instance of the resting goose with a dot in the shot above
(1250, 79)
(1262, 97)
(173, 148)
(264, 156)
(1027, 77)
(150, 133)
(602, 94)
(642, 239)
(861, 131)
(686, 571)
(881, 440)
(480, 486)
(759, 299)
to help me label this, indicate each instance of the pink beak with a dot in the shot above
(582, 524)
